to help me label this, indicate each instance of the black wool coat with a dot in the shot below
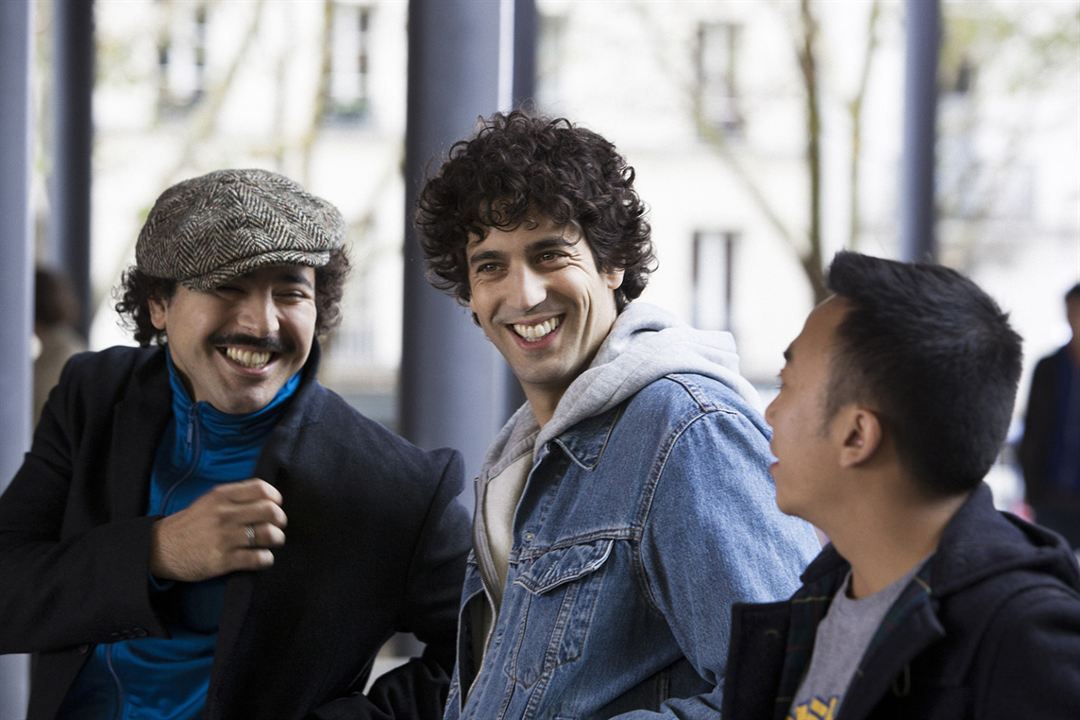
(376, 544)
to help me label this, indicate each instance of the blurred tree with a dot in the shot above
(726, 140)
(1001, 65)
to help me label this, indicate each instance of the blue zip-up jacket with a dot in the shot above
(647, 511)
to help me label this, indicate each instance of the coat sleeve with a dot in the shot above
(714, 537)
(1034, 449)
(418, 689)
(56, 590)
(1033, 659)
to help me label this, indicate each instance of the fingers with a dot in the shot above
(247, 491)
(259, 535)
(248, 559)
(211, 537)
(248, 502)
(255, 513)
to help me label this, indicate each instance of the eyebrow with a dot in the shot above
(546, 243)
(554, 241)
(294, 277)
(484, 256)
(787, 354)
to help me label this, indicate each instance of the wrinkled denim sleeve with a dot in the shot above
(713, 536)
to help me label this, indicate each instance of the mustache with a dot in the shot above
(270, 343)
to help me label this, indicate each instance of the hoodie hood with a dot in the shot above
(978, 543)
(645, 344)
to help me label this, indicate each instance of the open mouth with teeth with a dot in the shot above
(537, 332)
(253, 359)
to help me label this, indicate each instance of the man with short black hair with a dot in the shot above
(625, 506)
(929, 603)
(200, 529)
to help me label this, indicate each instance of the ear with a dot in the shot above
(158, 312)
(862, 434)
(614, 278)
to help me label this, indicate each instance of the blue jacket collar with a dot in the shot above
(586, 441)
(221, 425)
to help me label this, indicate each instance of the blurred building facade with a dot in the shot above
(718, 106)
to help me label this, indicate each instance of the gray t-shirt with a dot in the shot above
(841, 640)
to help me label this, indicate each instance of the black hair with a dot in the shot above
(934, 356)
(137, 289)
(518, 162)
(1073, 294)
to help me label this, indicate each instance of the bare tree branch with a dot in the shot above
(855, 109)
(807, 55)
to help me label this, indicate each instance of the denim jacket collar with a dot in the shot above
(585, 442)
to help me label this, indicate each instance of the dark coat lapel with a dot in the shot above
(140, 419)
(277, 453)
(910, 626)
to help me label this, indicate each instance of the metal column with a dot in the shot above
(526, 28)
(454, 390)
(15, 288)
(72, 127)
(917, 221)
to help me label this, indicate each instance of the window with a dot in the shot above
(717, 90)
(348, 89)
(182, 58)
(550, 49)
(712, 276)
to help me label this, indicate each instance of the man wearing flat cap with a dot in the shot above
(200, 529)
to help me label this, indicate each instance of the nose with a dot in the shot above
(769, 411)
(528, 288)
(256, 314)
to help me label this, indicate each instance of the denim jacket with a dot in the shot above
(637, 529)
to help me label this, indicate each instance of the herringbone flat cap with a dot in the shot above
(208, 230)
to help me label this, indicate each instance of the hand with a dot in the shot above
(210, 537)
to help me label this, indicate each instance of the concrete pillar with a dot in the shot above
(454, 384)
(917, 221)
(72, 127)
(15, 285)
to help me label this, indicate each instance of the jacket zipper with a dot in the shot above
(193, 446)
(116, 681)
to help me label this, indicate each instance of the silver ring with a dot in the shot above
(249, 531)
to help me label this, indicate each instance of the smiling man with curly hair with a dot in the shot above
(627, 504)
(201, 529)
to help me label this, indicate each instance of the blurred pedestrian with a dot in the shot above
(1050, 449)
(56, 313)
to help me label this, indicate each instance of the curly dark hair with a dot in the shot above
(137, 289)
(518, 162)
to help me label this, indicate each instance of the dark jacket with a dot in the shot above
(989, 628)
(375, 544)
(1041, 443)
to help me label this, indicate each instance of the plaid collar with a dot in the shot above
(808, 608)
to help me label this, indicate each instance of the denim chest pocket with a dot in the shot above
(561, 588)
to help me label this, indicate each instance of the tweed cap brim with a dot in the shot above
(208, 230)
